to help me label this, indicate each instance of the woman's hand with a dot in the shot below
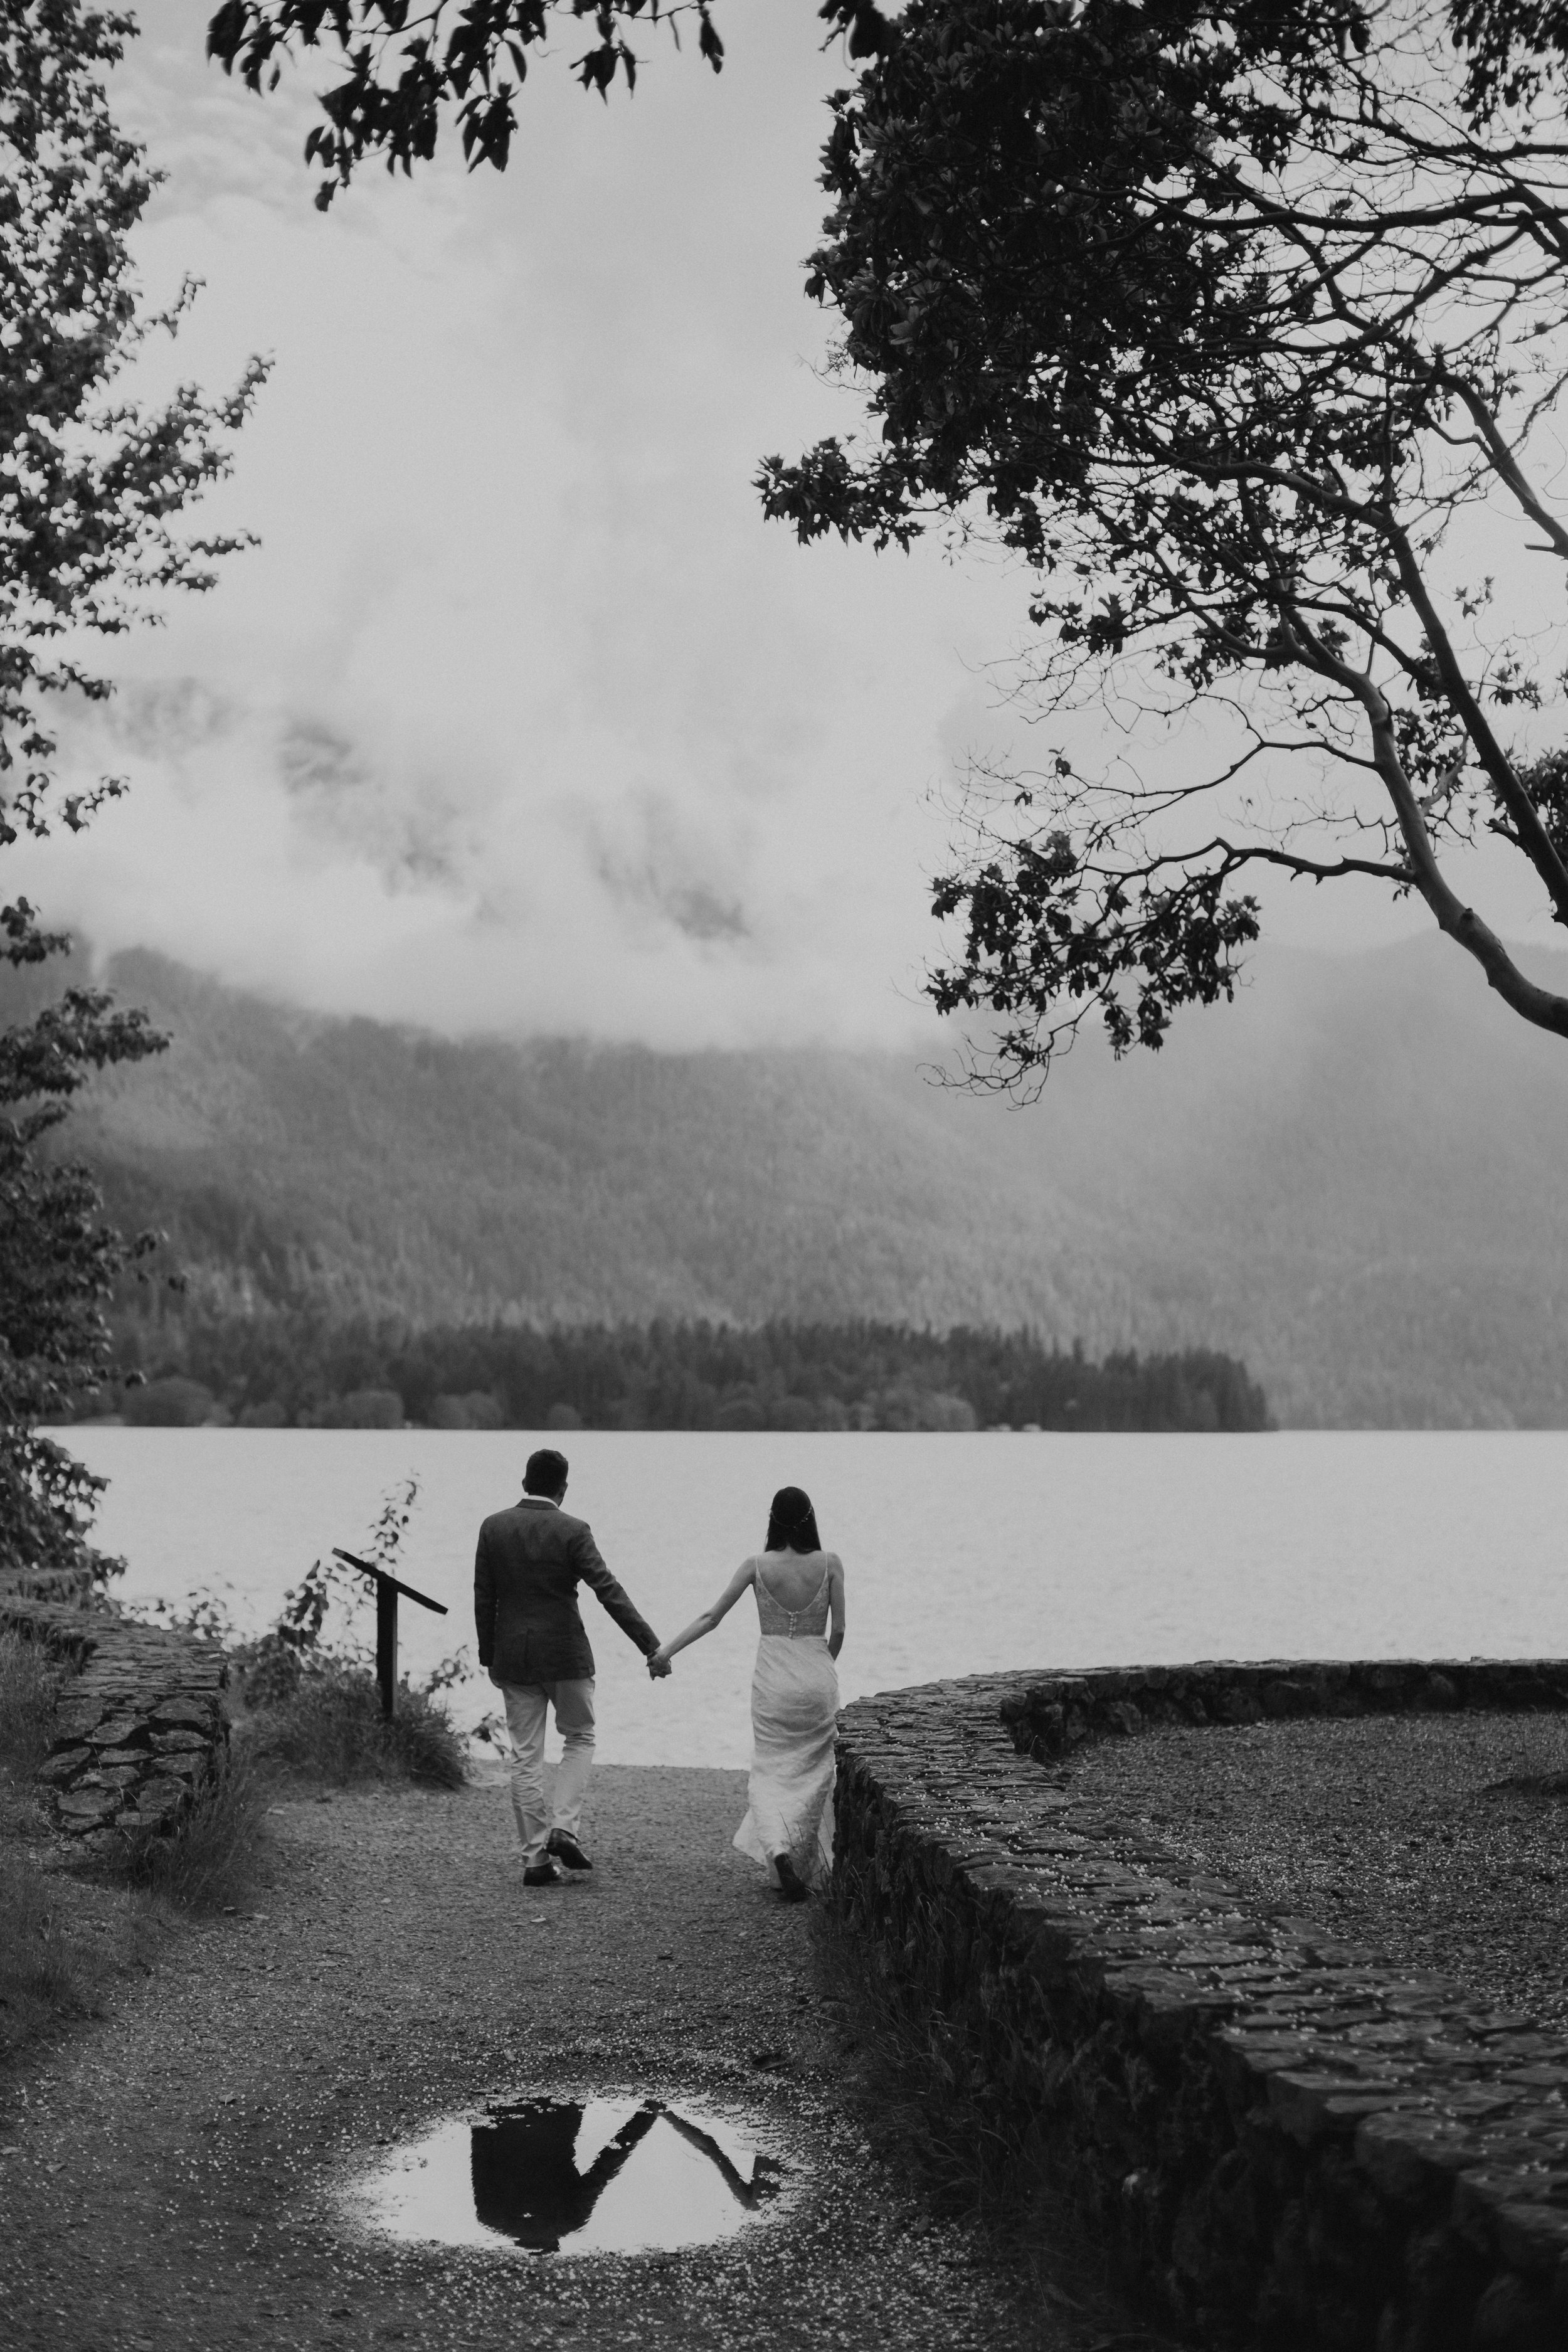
(658, 1663)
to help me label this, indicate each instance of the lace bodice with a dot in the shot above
(794, 1623)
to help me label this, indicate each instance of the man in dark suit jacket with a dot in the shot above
(529, 1563)
(524, 2170)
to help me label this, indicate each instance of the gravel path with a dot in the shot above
(173, 2179)
(1390, 1828)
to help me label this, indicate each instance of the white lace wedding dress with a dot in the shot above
(795, 1709)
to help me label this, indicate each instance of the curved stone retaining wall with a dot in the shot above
(1287, 2144)
(1050, 1715)
(138, 1726)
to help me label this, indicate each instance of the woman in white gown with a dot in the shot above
(795, 1692)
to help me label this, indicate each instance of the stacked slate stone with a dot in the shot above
(1050, 1715)
(136, 1732)
(1285, 2141)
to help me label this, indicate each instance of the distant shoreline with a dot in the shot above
(634, 1429)
(300, 1370)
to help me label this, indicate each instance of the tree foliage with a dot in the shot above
(406, 67)
(1230, 328)
(266, 1369)
(59, 1262)
(90, 483)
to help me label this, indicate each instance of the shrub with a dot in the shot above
(360, 1409)
(173, 1403)
(310, 1703)
(330, 1726)
(265, 1673)
(477, 1410)
(908, 1406)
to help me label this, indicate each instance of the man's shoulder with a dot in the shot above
(528, 1515)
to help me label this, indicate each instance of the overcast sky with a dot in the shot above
(522, 717)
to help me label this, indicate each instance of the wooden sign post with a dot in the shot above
(387, 1589)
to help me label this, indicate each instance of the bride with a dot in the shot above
(795, 1692)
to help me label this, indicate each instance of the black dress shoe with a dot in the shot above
(790, 1884)
(542, 1874)
(566, 1848)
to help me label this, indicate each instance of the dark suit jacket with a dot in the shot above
(529, 1563)
(525, 2176)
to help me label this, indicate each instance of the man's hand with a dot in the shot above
(658, 1664)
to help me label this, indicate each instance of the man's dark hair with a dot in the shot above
(545, 1472)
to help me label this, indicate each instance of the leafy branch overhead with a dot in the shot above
(404, 67)
(1240, 333)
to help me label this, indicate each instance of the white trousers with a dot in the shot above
(526, 1705)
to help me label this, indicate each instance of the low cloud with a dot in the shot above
(521, 719)
(286, 852)
(656, 863)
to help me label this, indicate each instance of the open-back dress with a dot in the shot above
(794, 1710)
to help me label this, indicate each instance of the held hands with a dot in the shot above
(658, 1663)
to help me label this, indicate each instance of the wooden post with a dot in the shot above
(387, 1589)
(387, 1642)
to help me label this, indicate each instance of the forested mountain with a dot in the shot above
(1354, 1179)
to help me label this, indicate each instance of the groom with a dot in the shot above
(527, 1569)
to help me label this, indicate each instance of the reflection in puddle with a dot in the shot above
(574, 2176)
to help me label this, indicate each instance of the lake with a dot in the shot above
(964, 1553)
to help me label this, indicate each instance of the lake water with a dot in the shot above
(964, 1553)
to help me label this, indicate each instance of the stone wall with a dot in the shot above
(1283, 2142)
(138, 1726)
(1050, 1715)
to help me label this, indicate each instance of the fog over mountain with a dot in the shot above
(1353, 1179)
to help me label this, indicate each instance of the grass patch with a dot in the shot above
(42, 1976)
(327, 1724)
(211, 1861)
(977, 2155)
(39, 1961)
(62, 1939)
(30, 1680)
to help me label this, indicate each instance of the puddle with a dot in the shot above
(593, 2176)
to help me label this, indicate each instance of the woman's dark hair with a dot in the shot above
(792, 1522)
